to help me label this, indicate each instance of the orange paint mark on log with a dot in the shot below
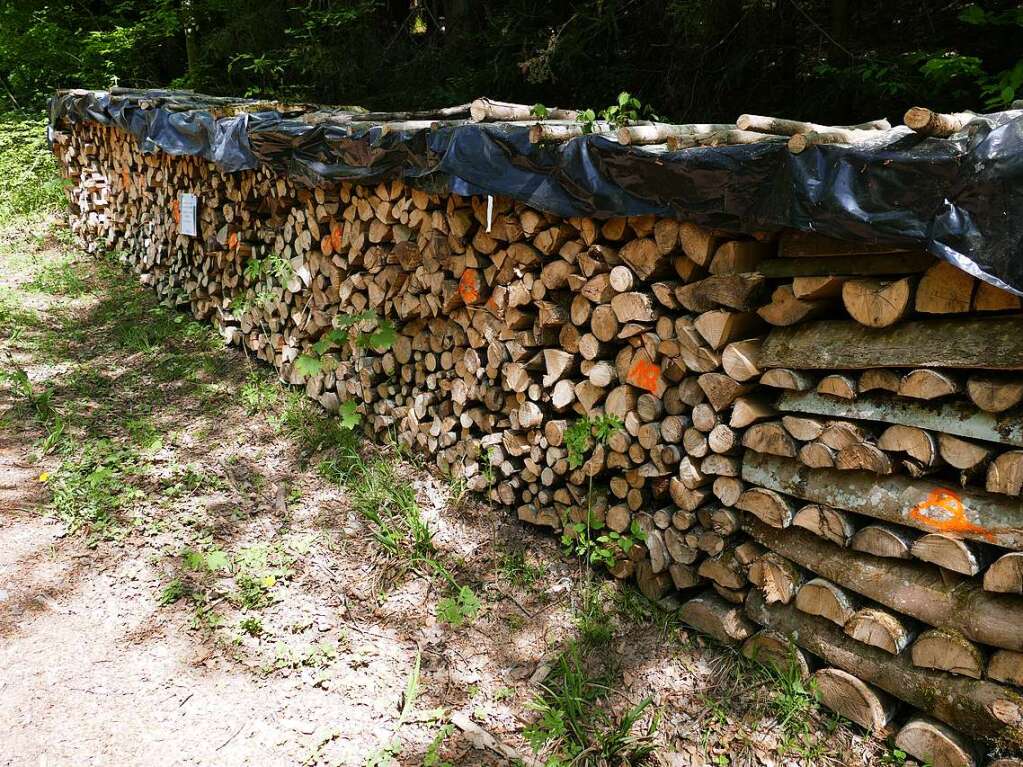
(176, 211)
(943, 511)
(232, 241)
(645, 375)
(469, 286)
(335, 238)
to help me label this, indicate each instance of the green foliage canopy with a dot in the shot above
(700, 60)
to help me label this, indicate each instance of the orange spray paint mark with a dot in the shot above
(335, 238)
(232, 241)
(176, 211)
(469, 286)
(943, 511)
(645, 375)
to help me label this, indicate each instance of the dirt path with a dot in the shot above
(188, 575)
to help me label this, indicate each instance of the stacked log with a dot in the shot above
(885, 490)
(819, 442)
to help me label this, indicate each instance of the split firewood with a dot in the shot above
(988, 298)
(1006, 666)
(945, 289)
(961, 453)
(724, 570)
(878, 303)
(739, 359)
(883, 541)
(953, 554)
(785, 309)
(948, 651)
(817, 455)
(777, 578)
(971, 705)
(699, 243)
(830, 524)
(769, 437)
(927, 384)
(836, 385)
(880, 628)
(914, 442)
(1005, 474)
(857, 701)
(879, 380)
(748, 410)
(915, 589)
(948, 416)
(933, 743)
(792, 380)
(768, 506)
(717, 618)
(1005, 575)
(774, 650)
(823, 598)
(994, 394)
(813, 288)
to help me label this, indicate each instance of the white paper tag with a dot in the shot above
(187, 206)
(490, 211)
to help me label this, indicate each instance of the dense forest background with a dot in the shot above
(689, 60)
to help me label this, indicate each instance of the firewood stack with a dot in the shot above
(818, 439)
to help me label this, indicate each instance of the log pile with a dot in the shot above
(818, 442)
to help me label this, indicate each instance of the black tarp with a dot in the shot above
(960, 198)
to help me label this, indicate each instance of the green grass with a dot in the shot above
(573, 725)
(31, 183)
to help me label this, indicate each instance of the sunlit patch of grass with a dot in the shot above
(574, 725)
(59, 278)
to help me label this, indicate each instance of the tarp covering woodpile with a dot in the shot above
(952, 186)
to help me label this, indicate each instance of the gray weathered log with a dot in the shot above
(919, 503)
(994, 343)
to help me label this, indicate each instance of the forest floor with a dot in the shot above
(198, 567)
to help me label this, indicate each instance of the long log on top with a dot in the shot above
(947, 417)
(979, 707)
(487, 110)
(861, 266)
(719, 138)
(938, 124)
(994, 343)
(658, 133)
(783, 127)
(919, 503)
(802, 141)
(917, 589)
(797, 244)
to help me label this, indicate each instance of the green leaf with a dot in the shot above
(350, 417)
(217, 560)
(539, 110)
(193, 559)
(973, 14)
(384, 336)
(322, 346)
(306, 365)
